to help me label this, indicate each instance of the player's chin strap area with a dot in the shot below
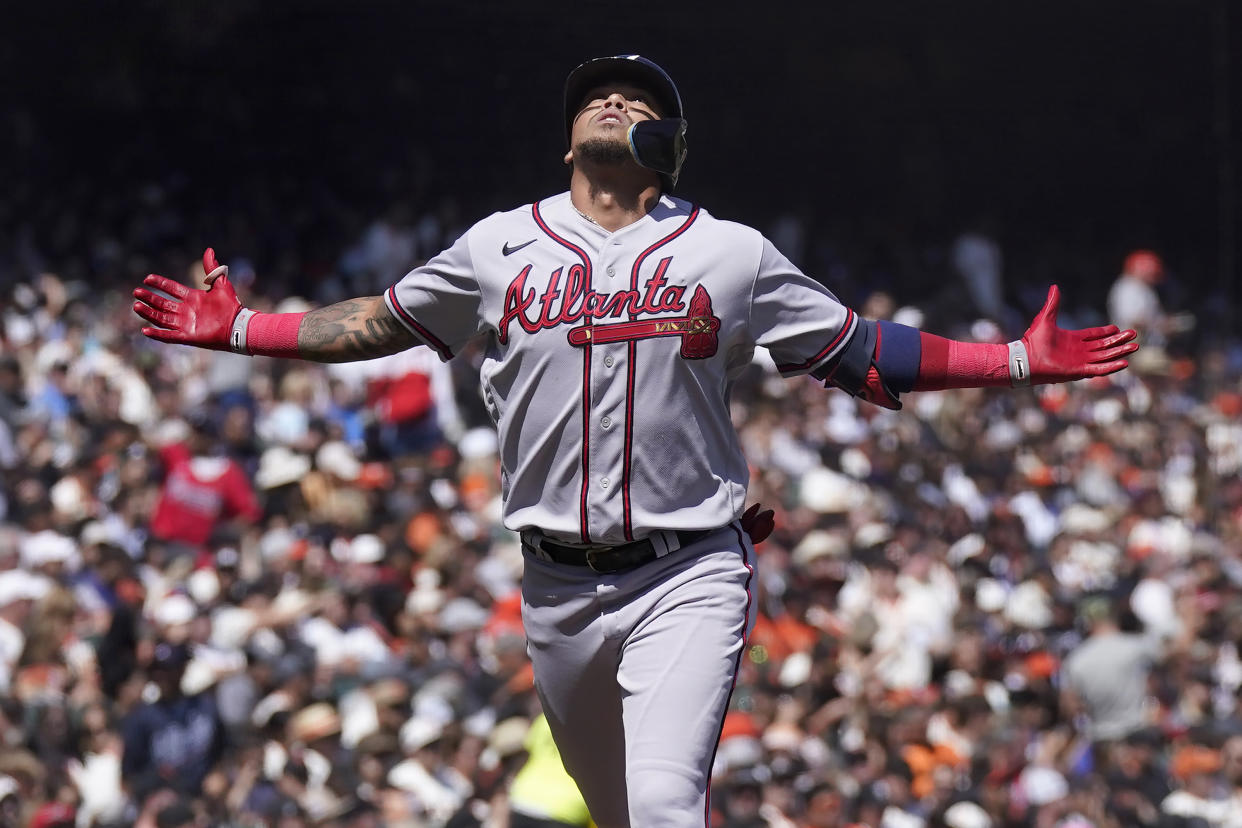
(660, 145)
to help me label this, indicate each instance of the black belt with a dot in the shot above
(607, 559)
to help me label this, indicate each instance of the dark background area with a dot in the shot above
(1074, 131)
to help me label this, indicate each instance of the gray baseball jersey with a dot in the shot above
(611, 356)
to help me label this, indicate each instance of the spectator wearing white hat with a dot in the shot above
(18, 591)
(436, 793)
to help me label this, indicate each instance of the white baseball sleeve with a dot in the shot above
(796, 318)
(440, 301)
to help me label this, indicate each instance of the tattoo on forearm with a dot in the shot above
(352, 330)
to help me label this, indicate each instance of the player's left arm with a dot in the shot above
(884, 359)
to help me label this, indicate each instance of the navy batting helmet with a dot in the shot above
(658, 145)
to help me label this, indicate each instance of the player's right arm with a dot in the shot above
(356, 329)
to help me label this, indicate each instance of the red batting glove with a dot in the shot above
(1058, 355)
(203, 318)
(758, 524)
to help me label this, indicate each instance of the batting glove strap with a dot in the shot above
(1019, 365)
(241, 328)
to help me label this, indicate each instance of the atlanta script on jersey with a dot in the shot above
(610, 357)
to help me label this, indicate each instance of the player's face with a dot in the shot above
(607, 112)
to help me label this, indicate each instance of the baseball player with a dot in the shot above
(616, 318)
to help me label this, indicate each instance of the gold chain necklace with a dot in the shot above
(584, 215)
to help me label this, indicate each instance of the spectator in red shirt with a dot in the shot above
(200, 490)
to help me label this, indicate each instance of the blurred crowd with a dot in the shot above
(247, 592)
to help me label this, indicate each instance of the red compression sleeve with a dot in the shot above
(274, 334)
(947, 363)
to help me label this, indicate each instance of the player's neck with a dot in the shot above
(613, 201)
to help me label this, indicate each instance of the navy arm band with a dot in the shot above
(900, 353)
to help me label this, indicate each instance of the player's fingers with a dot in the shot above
(1103, 369)
(1111, 341)
(1114, 353)
(764, 523)
(212, 267)
(1098, 333)
(167, 285)
(222, 282)
(155, 300)
(156, 317)
(1051, 305)
(164, 335)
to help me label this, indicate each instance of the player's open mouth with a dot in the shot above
(609, 117)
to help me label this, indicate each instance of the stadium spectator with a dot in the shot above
(172, 740)
(200, 492)
(1134, 297)
(1105, 679)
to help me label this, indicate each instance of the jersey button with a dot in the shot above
(606, 422)
(612, 271)
(603, 482)
(608, 361)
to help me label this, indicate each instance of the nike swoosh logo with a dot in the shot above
(507, 250)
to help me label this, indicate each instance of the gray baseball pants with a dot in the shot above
(635, 670)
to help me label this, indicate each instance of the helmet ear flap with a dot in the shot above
(661, 146)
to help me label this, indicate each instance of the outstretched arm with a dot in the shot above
(214, 318)
(884, 360)
(1045, 354)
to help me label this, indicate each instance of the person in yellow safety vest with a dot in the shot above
(542, 794)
